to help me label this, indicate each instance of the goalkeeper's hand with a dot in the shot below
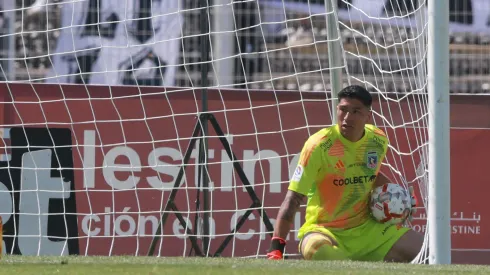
(276, 250)
(413, 202)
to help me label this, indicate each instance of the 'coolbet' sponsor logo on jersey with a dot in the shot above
(354, 180)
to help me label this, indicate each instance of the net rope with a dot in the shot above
(124, 78)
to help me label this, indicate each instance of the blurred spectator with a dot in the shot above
(263, 46)
(132, 44)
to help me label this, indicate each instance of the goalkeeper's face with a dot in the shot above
(352, 117)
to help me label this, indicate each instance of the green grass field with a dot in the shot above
(19, 265)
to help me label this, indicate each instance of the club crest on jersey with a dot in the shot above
(372, 160)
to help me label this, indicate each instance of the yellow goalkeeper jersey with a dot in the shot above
(337, 176)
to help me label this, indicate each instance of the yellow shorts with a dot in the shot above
(370, 241)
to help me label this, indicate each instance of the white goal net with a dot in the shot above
(104, 97)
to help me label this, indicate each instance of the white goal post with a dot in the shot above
(439, 206)
(171, 128)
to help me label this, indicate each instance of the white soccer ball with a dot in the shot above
(390, 204)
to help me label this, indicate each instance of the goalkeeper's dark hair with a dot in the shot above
(357, 92)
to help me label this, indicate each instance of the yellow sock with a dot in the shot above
(319, 248)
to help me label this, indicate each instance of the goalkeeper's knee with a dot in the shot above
(319, 247)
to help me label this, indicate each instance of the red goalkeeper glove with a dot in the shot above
(276, 250)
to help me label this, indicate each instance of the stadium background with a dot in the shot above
(470, 59)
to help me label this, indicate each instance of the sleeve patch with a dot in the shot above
(297, 173)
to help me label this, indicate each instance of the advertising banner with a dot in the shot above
(104, 188)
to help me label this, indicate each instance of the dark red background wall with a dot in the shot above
(158, 122)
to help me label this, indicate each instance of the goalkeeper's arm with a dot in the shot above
(283, 224)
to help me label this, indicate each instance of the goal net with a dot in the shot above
(104, 112)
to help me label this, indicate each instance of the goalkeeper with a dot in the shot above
(337, 169)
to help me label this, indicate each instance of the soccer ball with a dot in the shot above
(390, 204)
